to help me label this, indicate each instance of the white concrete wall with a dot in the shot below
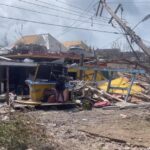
(53, 44)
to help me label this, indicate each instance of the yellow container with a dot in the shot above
(37, 90)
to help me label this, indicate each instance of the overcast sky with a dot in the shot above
(83, 10)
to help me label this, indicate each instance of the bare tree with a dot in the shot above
(4, 40)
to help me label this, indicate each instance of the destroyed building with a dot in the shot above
(78, 47)
(108, 53)
(47, 41)
(30, 50)
(39, 73)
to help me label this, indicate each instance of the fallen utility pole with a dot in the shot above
(115, 12)
(126, 28)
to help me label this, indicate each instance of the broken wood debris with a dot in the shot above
(84, 90)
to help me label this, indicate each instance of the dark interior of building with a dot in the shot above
(18, 75)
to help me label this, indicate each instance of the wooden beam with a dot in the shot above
(36, 72)
(7, 85)
(130, 87)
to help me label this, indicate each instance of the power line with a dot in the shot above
(57, 25)
(39, 5)
(70, 5)
(104, 19)
(76, 9)
(132, 49)
(47, 3)
(58, 16)
(110, 43)
(65, 31)
(43, 6)
(129, 2)
(68, 12)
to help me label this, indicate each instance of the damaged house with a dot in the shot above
(24, 54)
(40, 42)
(28, 51)
(78, 47)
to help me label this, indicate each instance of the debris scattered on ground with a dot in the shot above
(123, 116)
(98, 129)
(99, 97)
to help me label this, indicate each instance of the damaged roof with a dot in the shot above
(43, 40)
(79, 44)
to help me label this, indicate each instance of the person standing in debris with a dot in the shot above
(60, 87)
(57, 94)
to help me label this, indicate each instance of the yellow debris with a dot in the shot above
(88, 75)
(121, 82)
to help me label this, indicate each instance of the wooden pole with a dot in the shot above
(36, 72)
(81, 64)
(7, 85)
(96, 63)
(109, 82)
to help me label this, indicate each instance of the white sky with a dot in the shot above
(134, 11)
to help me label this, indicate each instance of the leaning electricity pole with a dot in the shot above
(128, 31)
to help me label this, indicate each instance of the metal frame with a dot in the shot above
(132, 71)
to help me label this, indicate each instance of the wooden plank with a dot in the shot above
(105, 94)
(17, 64)
(30, 102)
(109, 82)
(36, 72)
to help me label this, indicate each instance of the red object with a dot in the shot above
(101, 104)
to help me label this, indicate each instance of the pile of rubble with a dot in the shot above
(96, 94)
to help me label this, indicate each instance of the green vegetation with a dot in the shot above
(21, 133)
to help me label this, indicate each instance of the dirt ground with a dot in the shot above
(97, 129)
